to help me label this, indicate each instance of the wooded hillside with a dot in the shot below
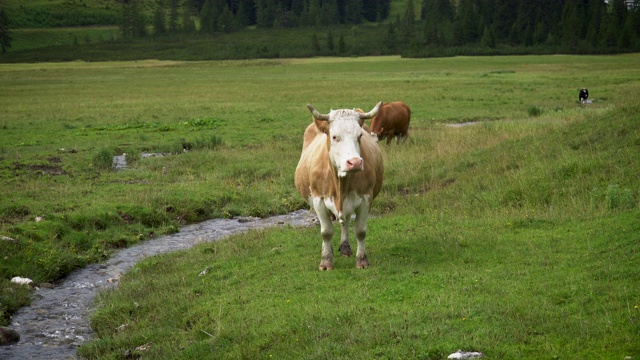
(411, 28)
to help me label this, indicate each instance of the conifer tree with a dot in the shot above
(407, 25)
(466, 26)
(5, 33)
(330, 41)
(315, 44)
(597, 28)
(159, 24)
(173, 16)
(390, 39)
(342, 45)
(209, 17)
(132, 23)
(188, 24)
(226, 20)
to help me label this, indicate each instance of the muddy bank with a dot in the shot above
(56, 322)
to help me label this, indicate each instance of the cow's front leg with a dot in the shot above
(326, 231)
(345, 247)
(360, 229)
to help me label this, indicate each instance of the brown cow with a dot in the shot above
(340, 173)
(391, 121)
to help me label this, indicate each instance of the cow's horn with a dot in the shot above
(316, 113)
(371, 113)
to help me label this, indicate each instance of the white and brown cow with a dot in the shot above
(339, 174)
(391, 121)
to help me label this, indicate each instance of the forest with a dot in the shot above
(420, 28)
(439, 23)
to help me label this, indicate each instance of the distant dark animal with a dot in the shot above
(391, 121)
(584, 94)
(339, 174)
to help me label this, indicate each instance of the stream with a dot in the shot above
(57, 321)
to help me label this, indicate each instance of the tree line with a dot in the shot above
(434, 23)
(425, 28)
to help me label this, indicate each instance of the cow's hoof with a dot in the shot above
(325, 265)
(362, 264)
(345, 250)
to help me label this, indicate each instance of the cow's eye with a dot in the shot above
(335, 138)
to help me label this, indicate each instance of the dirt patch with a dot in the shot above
(45, 169)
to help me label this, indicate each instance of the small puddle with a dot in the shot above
(120, 161)
(459, 125)
(57, 321)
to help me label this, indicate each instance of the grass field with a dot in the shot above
(518, 236)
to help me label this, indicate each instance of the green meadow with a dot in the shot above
(517, 235)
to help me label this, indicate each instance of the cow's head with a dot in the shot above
(344, 129)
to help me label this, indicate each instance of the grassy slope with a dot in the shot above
(518, 281)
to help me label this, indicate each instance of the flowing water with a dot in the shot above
(57, 321)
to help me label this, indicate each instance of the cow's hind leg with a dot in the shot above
(360, 229)
(326, 231)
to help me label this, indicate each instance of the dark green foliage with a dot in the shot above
(473, 27)
(103, 159)
(55, 15)
(534, 111)
(5, 34)
(13, 213)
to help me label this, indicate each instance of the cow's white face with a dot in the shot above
(345, 131)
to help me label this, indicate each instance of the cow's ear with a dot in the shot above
(322, 125)
(361, 122)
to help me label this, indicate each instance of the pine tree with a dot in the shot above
(330, 41)
(598, 27)
(505, 15)
(390, 40)
(315, 44)
(245, 15)
(173, 16)
(342, 45)
(265, 13)
(407, 25)
(353, 11)
(488, 38)
(5, 32)
(466, 27)
(132, 23)
(159, 25)
(329, 11)
(209, 17)
(226, 20)
(574, 22)
(188, 24)
(632, 25)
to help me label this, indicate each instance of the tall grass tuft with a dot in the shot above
(103, 159)
(613, 198)
(209, 142)
(534, 111)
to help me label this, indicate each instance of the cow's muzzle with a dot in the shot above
(354, 164)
